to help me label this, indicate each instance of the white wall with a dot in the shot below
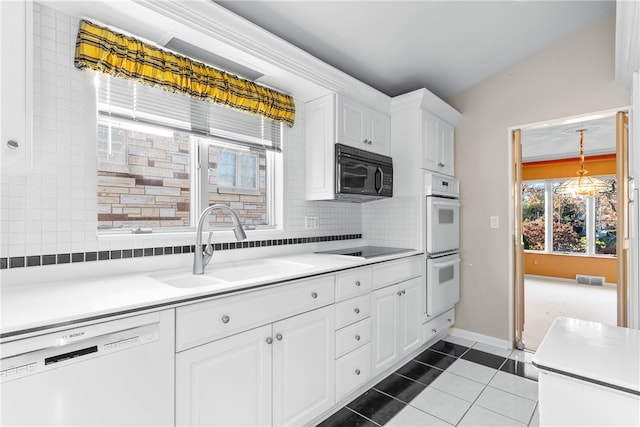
(52, 210)
(570, 77)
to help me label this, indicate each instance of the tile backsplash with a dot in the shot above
(52, 210)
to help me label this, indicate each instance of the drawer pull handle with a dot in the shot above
(279, 337)
(225, 319)
(314, 295)
(269, 340)
(357, 282)
(357, 337)
(434, 330)
(357, 371)
(357, 310)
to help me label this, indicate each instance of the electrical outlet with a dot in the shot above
(311, 222)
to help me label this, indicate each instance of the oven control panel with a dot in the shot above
(441, 185)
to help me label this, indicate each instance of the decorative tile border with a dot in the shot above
(37, 260)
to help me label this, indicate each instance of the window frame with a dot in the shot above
(590, 220)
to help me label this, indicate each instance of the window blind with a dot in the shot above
(120, 98)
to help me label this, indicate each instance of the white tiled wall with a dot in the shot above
(393, 222)
(53, 209)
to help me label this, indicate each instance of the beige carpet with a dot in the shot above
(545, 299)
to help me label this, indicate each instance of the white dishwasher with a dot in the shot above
(119, 372)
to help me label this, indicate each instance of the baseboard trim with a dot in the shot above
(485, 339)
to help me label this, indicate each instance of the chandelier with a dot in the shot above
(582, 185)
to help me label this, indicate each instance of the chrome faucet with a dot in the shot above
(202, 257)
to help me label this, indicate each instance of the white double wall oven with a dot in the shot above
(442, 242)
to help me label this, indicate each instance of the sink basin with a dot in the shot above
(187, 280)
(255, 269)
(229, 273)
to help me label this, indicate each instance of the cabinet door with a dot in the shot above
(384, 336)
(446, 147)
(429, 141)
(226, 382)
(303, 367)
(320, 116)
(16, 86)
(378, 132)
(411, 315)
(351, 123)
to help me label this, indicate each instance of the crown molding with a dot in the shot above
(426, 100)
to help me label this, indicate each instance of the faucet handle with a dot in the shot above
(209, 248)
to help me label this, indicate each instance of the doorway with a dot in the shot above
(569, 252)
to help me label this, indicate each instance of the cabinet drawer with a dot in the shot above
(393, 272)
(353, 336)
(352, 371)
(438, 324)
(200, 323)
(352, 283)
(352, 310)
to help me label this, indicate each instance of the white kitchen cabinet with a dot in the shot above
(362, 127)
(16, 86)
(396, 314)
(437, 325)
(335, 119)
(303, 367)
(259, 358)
(437, 140)
(226, 382)
(279, 374)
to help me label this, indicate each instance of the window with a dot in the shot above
(163, 157)
(556, 223)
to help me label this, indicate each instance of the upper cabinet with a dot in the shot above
(16, 85)
(437, 141)
(361, 127)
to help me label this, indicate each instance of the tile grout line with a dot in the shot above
(359, 414)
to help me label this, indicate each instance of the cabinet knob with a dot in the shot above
(449, 320)
(357, 371)
(279, 337)
(357, 337)
(441, 164)
(434, 330)
(357, 282)
(399, 293)
(225, 319)
(365, 141)
(357, 310)
(13, 144)
(314, 295)
(404, 291)
(269, 340)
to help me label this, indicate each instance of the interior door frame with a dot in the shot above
(512, 206)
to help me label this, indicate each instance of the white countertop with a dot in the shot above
(593, 351)
(29, 307)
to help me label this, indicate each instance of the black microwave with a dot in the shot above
(362, 176)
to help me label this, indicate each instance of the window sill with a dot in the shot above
(529, 251)
(218, 235)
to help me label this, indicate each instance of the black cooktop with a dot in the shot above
(367, 251)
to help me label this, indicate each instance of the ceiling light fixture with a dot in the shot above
(582, 185)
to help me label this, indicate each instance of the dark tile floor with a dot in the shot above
(455, 382)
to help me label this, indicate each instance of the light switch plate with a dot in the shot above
(494, 222)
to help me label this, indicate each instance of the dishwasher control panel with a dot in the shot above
(38, 361)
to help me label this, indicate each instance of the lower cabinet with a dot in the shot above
(278, 374)
(396, 313)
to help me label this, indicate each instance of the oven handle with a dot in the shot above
(445, 264)
(453, 203)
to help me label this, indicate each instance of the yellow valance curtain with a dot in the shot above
(101, 49)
